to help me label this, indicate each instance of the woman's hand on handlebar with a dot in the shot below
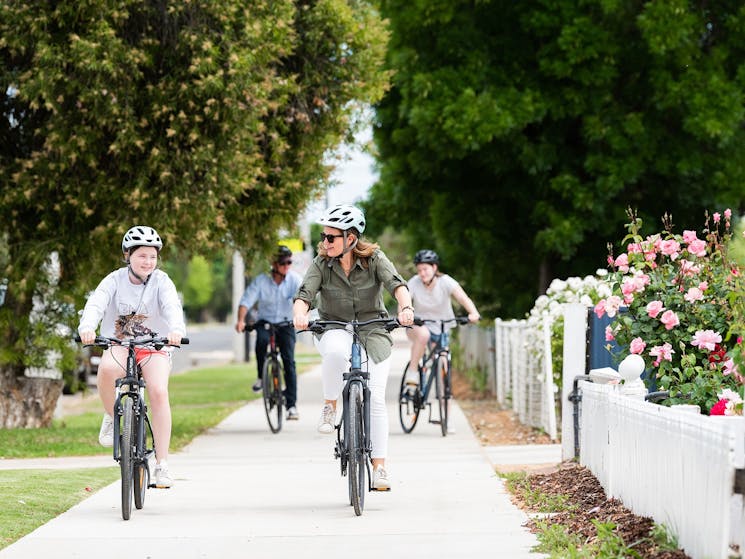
(174, 338)
(300, 321)
(474, 317)
(87, 337)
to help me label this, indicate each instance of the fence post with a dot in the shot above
(575, 340)
(548, 370)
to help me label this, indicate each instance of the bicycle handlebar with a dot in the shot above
(267, 325)
(103, 341)
(459, 319)
(318, 326)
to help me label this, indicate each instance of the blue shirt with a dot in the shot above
(275, 300)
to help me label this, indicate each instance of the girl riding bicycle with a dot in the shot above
(432, 292)
(350, 273)
(137, 300)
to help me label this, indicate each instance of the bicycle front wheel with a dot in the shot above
(409, 402)
(356, 447)
(141, 475)
(125, 459)
(271, 379)
(442, 388)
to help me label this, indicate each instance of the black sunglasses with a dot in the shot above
(285, 262)
(328, 237)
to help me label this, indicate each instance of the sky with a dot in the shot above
(354, 174)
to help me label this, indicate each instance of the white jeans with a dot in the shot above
(335, 347)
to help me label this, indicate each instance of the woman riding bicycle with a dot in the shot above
(432, 292)
(350, 273)
(133, 301)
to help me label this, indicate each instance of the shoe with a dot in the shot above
(292, 413)
(412, 377)
(328, 418)
(163, 479)
(257, 385)
(106, 434)
(380, 479)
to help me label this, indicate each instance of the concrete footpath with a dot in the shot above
(243, 492)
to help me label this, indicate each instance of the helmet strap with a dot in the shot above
(346, 248)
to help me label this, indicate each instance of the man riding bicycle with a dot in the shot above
(274, 291)
(133, 301)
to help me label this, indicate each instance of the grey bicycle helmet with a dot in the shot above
(343, 217)
(426, 256)
(141, 236)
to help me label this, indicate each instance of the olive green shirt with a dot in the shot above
(357, 297)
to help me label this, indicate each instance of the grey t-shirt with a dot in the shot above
(434, 302)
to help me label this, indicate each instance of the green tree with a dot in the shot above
(515, 134)
(204, 119)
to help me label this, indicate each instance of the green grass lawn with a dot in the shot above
(200, 399)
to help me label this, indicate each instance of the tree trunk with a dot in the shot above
(27, 402)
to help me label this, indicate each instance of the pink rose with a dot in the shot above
(612, 304)
(706, 339)
(697, 248)
(599, 309)
(634, 248)
(622, 262)
(669, 319)
(661, 352)
(670, 248)
(727, 213)
(689, 236)
(637, 346)
(703, 286)
(609, 337)
(716, 217)
(694, 294)
(654, 308)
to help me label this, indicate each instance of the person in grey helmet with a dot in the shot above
(432, 293)
(349, 274)
(135, 301)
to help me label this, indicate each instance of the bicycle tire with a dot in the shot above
(356, 448)
(271, 380)
(125, 458)
(409, 401)
(141, 475)
(440, 390)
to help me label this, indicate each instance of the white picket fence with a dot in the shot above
(523, 372)
(675, 466)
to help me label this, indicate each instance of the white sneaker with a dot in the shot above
(380, 479)
(292, 413)
(328, 419)
(106, 434)
(412, 377)
(163, 479)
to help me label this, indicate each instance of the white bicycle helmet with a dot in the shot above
(141, 236)
(343, 217)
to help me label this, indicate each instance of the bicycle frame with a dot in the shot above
(347, 445)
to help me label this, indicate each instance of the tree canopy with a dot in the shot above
(515, 134)
(205, 119)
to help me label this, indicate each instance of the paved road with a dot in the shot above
(242, 492)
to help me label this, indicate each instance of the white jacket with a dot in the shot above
(127, 310)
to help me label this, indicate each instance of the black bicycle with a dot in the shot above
(272, 376)
(133, 435)
(434, 369)
(353, 445)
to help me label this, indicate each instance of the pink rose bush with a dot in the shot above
(673, 305)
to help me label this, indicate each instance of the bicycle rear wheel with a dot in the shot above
(271, 378)
(356, 447)
(125, 458)
(441, 388)
(409, 401)
(141, 474)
